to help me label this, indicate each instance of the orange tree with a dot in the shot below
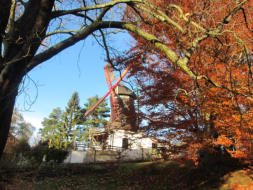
(195, 72)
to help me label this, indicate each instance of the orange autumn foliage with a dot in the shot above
(215, 108)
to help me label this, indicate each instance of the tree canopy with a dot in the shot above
(196, 74)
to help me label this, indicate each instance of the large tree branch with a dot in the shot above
(158, 14)
(26, 22)
(181, 62)
(12, 16)
(47, 54)
(171, 55)
(59, 13)
(5, 6)
(28, 31)
(52, 51)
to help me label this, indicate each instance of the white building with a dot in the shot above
(121, 140)
(129, 140)
(122, 132)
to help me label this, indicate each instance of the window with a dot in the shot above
(125, 143)
(123, 120)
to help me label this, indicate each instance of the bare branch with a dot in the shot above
(23, 3)
(70, 32)
(52, 51)
(228, 18)
(5, 6)
(83, 16)
(59, 13)
(215, 32)
(160, 16)
(171, 55)
(246, 20)
(106, 48)
(184, 17)
(65, 31)
(107, 33)
(12, 16)
(102, 14)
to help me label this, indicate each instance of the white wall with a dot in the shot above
(139, 148)
(75, 157)
(135, 140)
(111, 156)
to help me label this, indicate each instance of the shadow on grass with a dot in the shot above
(144, 175)
(179, 175)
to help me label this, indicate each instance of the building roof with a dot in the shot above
(123, 90)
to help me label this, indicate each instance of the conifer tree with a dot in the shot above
(61, 128)
(98, 117)
(53, 130)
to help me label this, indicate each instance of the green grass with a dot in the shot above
(144, 175)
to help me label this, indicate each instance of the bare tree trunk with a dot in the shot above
(8, 93)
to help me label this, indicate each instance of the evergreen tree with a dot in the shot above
(72, 119)
(53, 130)
(61, 128)
(98, 117)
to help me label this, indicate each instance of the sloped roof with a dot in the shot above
(123, 90)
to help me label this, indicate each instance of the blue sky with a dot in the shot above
(79, 68)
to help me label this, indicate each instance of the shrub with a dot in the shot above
(56, 155)
(215, 157)
(21, 148)
(7, 162)
(43, 151)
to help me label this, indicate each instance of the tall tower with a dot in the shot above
(124, 107)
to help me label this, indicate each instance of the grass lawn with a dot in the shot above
(143, 175)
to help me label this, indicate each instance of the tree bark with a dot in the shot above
(8, 93)
(22, 40)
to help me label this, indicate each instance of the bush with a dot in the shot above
(50, 154)
(21, 148)
(215, 157)
(7, 162)
(56, 155)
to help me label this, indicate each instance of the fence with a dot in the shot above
(116, 154)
